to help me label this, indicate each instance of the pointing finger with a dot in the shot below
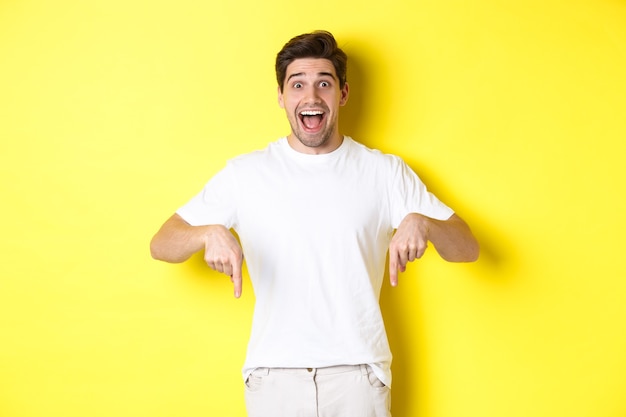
(393, 269)
(236, 278)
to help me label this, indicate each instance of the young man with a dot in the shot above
(316, 214)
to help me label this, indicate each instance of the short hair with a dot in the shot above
(318, 44)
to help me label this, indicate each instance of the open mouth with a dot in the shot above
(312, 119)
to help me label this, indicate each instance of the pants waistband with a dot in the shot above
(329, 370)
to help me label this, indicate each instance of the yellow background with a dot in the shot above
(114, 113)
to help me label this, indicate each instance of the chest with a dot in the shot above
(314, 201)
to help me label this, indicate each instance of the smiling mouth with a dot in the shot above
(311, 119)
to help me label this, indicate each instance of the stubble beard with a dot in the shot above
(314, 140)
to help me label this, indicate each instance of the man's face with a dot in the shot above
(311, 98)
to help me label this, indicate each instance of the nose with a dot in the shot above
(312, 95)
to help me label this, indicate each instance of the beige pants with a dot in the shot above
(338, 391)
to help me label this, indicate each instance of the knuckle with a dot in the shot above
(400, 246)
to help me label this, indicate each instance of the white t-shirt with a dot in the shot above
(315, 231)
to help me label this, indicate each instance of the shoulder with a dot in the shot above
(371, 155)
(256, 157)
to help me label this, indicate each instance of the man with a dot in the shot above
(315, 213)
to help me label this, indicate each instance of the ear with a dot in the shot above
(281, 103)
(345, 93)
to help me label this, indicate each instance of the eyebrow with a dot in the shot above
(319, 74)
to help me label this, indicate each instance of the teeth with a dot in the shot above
(311, 113)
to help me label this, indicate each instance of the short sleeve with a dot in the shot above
(215, 204)
(408, 194)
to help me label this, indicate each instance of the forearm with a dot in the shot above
(453, 239)
(176, 240)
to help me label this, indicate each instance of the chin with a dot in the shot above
(312, 142)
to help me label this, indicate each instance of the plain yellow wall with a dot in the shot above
(114, 113)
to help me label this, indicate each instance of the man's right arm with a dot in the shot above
(177, 240)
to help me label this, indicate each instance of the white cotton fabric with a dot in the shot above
(315, 230)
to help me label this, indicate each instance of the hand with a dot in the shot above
(408, 244)
(222, 253)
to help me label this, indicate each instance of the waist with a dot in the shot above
(329, 370)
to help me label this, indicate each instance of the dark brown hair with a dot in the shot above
(318, 44)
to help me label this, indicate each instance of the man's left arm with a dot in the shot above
(452, 239)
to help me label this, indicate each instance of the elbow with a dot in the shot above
(156, 252)
(159, 253)
(468, 253)
(462, 246)
(471, 253)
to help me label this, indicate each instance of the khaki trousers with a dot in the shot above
(337, 391)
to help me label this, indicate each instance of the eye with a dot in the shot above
(324, 84)
(297, 85)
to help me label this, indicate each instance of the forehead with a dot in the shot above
(310, 67)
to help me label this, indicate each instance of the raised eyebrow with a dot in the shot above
(319, 74)
(297, 74)
(327, 74)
